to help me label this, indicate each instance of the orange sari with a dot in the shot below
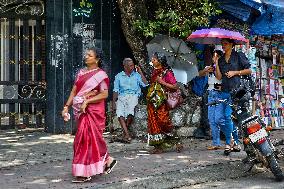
(159, 122)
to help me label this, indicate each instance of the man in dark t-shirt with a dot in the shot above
(237, 63)
(230, 67)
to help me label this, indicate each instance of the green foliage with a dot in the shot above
(176, 18)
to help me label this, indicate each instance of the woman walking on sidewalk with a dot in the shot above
(160, 127)
(88, 99)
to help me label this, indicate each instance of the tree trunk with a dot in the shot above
(132, 10)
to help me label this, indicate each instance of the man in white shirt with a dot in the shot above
(126, 91)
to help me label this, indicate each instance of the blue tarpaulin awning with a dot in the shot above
(256, 4)
(276, 3)
(236, 8)
(271, 20)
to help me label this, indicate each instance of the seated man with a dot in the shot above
(126, 92)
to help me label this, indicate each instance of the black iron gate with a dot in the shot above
(22, 68)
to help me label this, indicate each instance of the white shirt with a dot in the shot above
(212, 80)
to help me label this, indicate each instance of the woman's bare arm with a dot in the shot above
(71, 96)
(218, 72)
(91, 93)
(69, 101)
(100, 96)
(168, 85)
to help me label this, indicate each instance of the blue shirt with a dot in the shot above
(124, 84)
(237, 61)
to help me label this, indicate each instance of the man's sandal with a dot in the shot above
(227, 151)
(213, 148)
(236, 148)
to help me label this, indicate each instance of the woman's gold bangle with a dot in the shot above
(240, 72)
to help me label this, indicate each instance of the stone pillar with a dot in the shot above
(59, 73)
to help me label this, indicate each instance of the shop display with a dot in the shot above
(269, 75)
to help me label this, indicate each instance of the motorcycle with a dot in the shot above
(254, 132)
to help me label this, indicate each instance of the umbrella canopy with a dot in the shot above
(179, 56)
(214, 36)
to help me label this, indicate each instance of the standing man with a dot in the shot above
(230, 67)
(126, 92)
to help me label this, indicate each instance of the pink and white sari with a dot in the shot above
(90, 150)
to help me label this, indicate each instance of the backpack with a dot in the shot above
(199, 85)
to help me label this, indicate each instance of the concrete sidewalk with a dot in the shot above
(41, 160)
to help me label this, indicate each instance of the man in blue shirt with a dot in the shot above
(126, 91)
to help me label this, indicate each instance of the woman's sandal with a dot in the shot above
(81, 179)
(108, 169)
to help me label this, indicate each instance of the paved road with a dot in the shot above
(41, 160)
(261, 180)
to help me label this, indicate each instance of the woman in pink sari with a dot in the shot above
(88, 101)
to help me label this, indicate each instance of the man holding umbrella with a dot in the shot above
(229, 68)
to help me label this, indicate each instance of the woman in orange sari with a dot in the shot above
(160, 128)
(88, 100)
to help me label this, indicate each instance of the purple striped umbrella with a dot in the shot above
(214, 36)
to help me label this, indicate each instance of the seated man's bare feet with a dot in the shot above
(126, 138)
